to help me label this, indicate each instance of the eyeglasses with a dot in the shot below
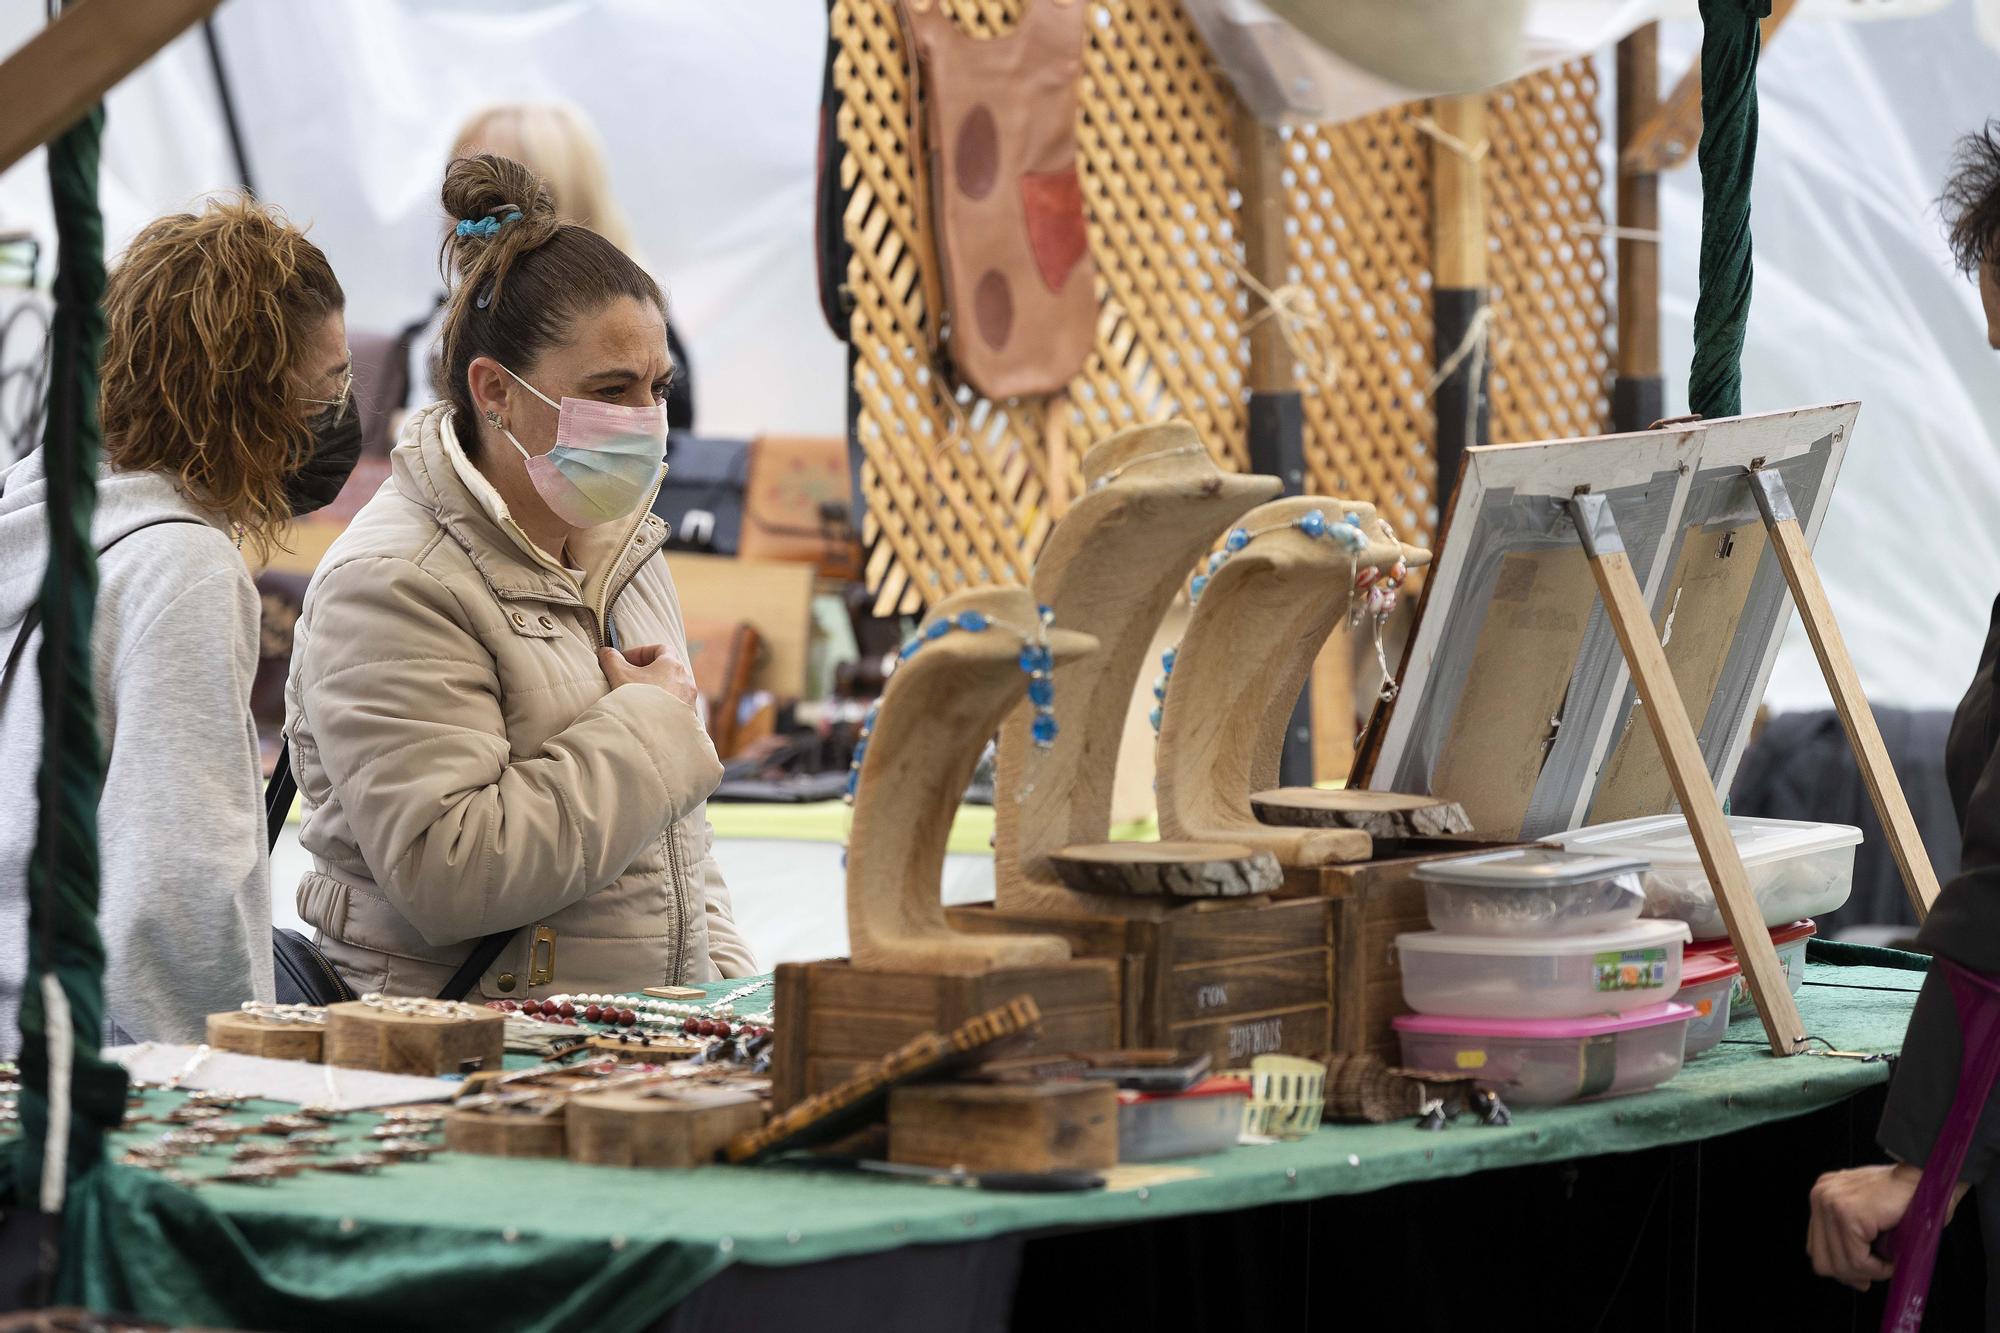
(339, 401)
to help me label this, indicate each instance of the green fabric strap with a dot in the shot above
(62, 876)
(1728, 156)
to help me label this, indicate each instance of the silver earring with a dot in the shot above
(493, 417)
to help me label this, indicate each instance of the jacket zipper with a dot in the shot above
(678, 976)
(600, 619)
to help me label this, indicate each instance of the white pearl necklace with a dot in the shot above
(666, 1010)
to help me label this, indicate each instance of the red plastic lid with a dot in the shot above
(1780, 936)
(1705, 968)
(1215, 1085)
(1793, 933)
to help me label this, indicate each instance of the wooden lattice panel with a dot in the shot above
(958, 489)
(1552, 325)
(1360, 197)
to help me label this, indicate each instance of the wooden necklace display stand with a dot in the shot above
(1247, 654)
(1233, 976)
(1248, 651)
(910, 972)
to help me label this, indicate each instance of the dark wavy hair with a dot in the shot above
(1970, 203)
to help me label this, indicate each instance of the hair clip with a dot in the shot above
(485, 226)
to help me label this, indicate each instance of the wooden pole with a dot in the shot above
(1660, 701)
(1277, 416)
(1638, 395)
(59, 73)
(1906, 844)
(1458, 270)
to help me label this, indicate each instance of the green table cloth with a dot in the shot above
(464, 1241)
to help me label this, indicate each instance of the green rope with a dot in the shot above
(63, 875)
(1729, 43)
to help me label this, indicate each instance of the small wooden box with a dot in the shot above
(1233, 979)
(685, 1128)
(1372, 902)
(1031, 1127)
(361, 1036)
(247, 1034)
(504, 1133)
(833, 1019)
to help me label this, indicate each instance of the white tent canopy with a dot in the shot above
(709, 112)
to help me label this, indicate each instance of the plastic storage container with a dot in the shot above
(1207, 1118)
(1708, 980)
(1548, 1062)
(1568, 976)
(1796, 869)
(1539, 891)
(1791, 945)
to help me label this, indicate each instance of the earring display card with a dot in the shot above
(1511, 605)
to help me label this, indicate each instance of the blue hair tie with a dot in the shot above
(485, 226)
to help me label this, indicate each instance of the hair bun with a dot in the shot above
(486, 186)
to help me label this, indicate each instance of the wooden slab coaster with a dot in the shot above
(1168, 869)
(662, 1125)
(850, 1105)
(1034, 1127)
(362, 1036)
(247, 1034)
(646, 1047)
(1380, 814)
(505, 1133)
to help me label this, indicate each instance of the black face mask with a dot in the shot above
(336, 447)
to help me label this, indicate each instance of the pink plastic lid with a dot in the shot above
(1597, 1025)
(1702, 969)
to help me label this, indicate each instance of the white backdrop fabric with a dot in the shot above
(708, 110)
(349, 107)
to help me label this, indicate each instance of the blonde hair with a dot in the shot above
(556, 142)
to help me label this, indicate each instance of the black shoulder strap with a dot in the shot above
(278, 796)
(33, 619)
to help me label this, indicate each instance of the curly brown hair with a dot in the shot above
(207, 316)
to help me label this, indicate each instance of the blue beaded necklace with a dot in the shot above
(1036, 662)
(1379, 586)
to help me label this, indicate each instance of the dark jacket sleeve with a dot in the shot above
(1963, 926)
(1925, 1082)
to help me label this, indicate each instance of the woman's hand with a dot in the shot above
(651, 664)
(1849, 1210)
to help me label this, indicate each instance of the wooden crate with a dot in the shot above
(1234, 980)
(1035, 1127)
(834, 1019)
(1370, 903)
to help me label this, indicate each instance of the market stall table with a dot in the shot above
(466, 1241)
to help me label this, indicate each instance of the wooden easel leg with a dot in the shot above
(1809, 595)
(1660, 700)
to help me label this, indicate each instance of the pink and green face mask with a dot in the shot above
(606, 457)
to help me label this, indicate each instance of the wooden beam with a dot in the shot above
(1638, 210)
(47, 85)
(1906, 844)
(1670, 135)
(1266, 252)
(1660, 701)
(1458, 203)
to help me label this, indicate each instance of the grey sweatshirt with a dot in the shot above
(185, 905)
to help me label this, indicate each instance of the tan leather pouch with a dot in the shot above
(1006, 204)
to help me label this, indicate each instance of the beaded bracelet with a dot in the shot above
(412, 1007)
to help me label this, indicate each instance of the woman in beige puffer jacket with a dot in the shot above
(469, 760)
